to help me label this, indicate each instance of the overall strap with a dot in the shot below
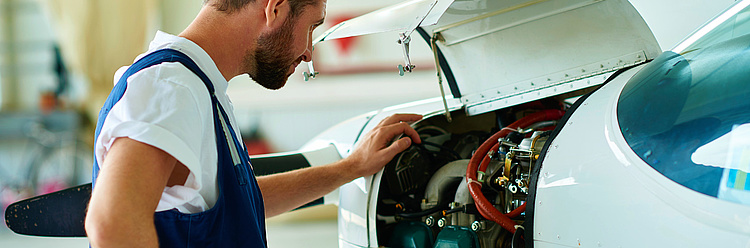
(154, 58)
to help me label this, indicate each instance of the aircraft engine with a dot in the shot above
(466, 184)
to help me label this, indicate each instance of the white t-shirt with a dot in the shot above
(167, 106)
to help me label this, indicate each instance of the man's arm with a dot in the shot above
(285, 191)
(128, 189)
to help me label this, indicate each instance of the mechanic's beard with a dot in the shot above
(272, 58)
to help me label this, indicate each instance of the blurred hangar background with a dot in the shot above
(58, 57)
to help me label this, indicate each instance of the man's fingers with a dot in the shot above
(393, 119)
(378, 147)
(398, 146)
(400, 124)
(399, 128)
(409, 131)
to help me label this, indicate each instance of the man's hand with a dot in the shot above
(376, 149)
(285, 191)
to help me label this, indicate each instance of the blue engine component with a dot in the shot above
(409, 234)
(457, 237)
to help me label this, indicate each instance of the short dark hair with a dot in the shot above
(230, 6)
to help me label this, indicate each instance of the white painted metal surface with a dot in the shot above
(352, 216)
(504, 53)
(344, 244)
(402, 17)
(509, 51)
(592, 184)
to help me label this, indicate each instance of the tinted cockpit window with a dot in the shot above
(688, 115)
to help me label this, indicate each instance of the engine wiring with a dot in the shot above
(423, 213)
(481, 159)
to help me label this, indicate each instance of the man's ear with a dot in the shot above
(276, 12)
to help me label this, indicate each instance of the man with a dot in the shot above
(157, 149)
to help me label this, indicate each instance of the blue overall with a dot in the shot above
(238, 217)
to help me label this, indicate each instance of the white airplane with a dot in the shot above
(566, 126)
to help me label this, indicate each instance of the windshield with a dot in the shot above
(730, 24)
(687, 113)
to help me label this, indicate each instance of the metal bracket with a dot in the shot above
(404, 37)
(404, 40)
(312, 74)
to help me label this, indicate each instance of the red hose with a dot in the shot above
(517, 212)
(475, 188)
